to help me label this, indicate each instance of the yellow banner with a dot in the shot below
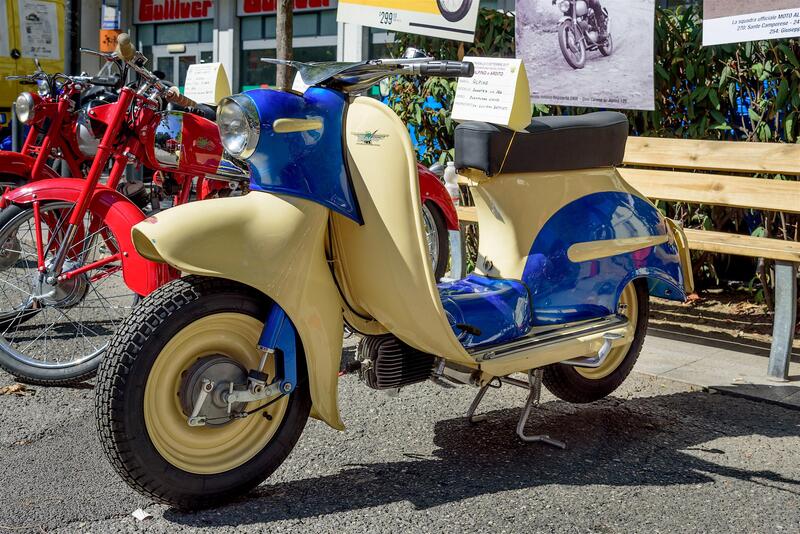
(421, 6)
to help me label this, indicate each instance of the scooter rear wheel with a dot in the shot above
(141, 397)
(582, 385)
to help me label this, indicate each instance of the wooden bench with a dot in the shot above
(667, 169)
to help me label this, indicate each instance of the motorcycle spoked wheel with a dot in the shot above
(56, 335)
(140, 394)
(572, 46)
(437, 238)
(582, 385)
(454, 10)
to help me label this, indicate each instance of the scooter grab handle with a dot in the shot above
(445, 69)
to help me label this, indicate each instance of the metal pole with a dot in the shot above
(72, 57)
(16, 145)
(785, 319)
(285, 32)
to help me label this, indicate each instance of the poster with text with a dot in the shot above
(447, 19)
(588, 53)
(38, 26)
(738, 21)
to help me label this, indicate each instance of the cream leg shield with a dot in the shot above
(274, 244)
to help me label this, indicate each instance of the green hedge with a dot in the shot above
(746, 92)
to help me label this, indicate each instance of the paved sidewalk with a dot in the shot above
(731, 368)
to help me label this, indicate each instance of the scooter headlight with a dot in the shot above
(239, 128)
(564, 6)
(26, 107)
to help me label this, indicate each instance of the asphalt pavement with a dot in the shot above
(659, 456)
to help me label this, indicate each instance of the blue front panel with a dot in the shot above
(563, 291)
(305, 164)
(494, 310)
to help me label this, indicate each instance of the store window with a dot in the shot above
(314, 40)
(255, 73)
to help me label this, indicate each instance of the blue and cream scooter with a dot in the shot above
(208, 384)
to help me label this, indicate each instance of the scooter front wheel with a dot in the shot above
(581, 385)
(191, 330)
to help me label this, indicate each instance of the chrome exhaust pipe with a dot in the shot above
(596, 361)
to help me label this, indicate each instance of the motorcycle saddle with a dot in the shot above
(486, 311)
(562, 143)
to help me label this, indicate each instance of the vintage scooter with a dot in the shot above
(208, 384)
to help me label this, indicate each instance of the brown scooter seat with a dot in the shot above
(548, 144)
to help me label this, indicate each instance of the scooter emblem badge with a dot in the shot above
(370, 138)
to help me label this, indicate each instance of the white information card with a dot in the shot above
(498, 93)
(206, 83)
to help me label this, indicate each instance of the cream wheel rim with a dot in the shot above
(629, 307)
(207, 450)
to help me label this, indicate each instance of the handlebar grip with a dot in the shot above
(125, 49)
(106, 81)
(447, 69)
(174, 95)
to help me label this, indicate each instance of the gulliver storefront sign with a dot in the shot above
(149, 11)
(265, 7)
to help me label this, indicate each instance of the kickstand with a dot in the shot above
(534, 386)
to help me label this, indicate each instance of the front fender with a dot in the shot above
(275, 244)
(431, 188)
(141, 276)
(21, 165)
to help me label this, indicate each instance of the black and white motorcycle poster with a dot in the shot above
(588, 53)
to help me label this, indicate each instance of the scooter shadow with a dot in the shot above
(655, 441)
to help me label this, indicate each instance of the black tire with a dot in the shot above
(458, 14)
(68, 375)
(443, 240)
(33, 375)
(11, 181)
(120, 391)
(566, 383)
(564, 28)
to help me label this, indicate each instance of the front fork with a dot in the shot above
(104, 153)
(277, 341)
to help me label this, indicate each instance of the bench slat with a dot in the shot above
(721, 242)
(715, 189)
(467, 214)
(742, 245)
(731, 156)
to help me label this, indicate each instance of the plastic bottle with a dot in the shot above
(451, 183)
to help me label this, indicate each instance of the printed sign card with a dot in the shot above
(498, 93)
(207, 83)
(738, 21)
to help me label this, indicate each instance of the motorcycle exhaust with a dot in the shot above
(602, 354)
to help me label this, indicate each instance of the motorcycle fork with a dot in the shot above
(104, 153)
(47, 143)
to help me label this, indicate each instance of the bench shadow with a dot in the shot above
(655, 441)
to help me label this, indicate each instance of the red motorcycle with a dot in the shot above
(58, 128)
(68, 270)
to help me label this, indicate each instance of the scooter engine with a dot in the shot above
(388, 363)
